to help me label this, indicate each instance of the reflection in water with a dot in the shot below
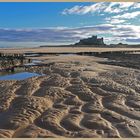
(17, 70)
(21, 69)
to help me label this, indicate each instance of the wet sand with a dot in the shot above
(80, 96)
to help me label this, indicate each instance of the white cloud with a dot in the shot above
(115, 21)
(112, 7)
(125, 4)
(136, 6)
(117, 7)
(85, 9)
(75, 9)
(128, 15)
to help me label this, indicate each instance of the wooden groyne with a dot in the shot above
(107, 53)
(37, 54)
(9, 60)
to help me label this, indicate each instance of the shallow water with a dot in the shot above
(69, 54)
(21, 69)
(17, 70)
(36, 61)
(33, 63)
(19, 76)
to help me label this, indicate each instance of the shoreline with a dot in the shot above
(65, 49)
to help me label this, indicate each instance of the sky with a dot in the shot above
(54, 23)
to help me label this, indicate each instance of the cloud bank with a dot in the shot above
(60, 35)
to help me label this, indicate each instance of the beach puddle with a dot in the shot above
(34, 63)
(19, 76)
(19, 73)
(69, 54)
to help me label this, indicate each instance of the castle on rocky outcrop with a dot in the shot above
(91, 41)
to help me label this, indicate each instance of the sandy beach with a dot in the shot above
(79, 96)
(66, 49)
(70, 69)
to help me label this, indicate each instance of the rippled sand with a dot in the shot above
(78, 97)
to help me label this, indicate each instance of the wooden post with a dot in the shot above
(12, 69)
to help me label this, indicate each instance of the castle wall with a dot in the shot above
(91, 41)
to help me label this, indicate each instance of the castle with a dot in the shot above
(91, 41)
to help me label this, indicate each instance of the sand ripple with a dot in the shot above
(72, 101)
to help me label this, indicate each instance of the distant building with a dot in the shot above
(91, 41)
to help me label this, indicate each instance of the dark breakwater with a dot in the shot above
(9, 61)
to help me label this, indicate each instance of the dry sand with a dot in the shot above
(65, 49)
(78, 97)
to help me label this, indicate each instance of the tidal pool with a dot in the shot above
(19, 76)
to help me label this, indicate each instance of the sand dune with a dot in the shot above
(78, 97)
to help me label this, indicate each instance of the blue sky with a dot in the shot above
(67, 22)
